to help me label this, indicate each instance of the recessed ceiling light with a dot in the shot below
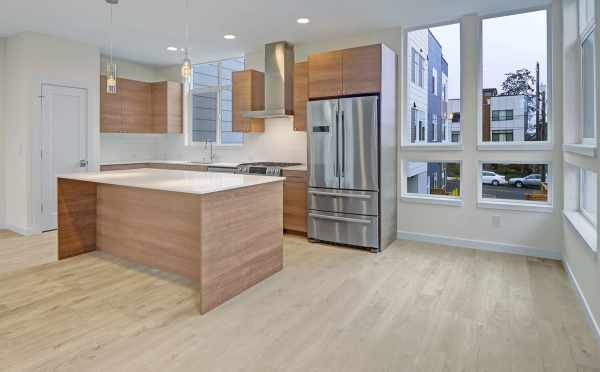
(172, 49)
(229, 36)
(303, 21)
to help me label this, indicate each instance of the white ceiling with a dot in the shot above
(144, 28)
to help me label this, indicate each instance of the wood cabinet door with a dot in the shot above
(294, 201)
(300, 95)
(137, 106)
(111, 108)
(361, 70)
(325, 74)
(248, 94)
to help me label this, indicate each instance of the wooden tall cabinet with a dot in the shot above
(141, 107)
(167, 107)
(300, 95)
(248, 94)
(345, 72)
(325, 74)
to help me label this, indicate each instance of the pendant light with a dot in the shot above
(186, 66)
(111, 68)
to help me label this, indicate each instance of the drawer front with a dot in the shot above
(362, 231)
(343, 201)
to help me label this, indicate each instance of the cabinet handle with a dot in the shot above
(341, 219)
(340, 195)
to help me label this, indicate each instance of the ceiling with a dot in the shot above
(144, 28)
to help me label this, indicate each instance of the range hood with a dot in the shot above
(279, 82)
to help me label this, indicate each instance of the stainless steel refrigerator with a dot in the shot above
(351, 168)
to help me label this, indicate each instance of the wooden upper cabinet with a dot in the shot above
(111, 109)
(141, 107)
(167, 107)
(300, 95)
(361, 70)
(345, 72)
(248, 94)
(325, 74)
(137, 105)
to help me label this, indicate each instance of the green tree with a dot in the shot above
(520, 82)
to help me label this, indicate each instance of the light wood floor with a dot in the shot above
(415, 307)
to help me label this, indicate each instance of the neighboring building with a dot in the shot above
(509, 118)
(427, 92)
(416, 178)
(417, 43)
(453, 126)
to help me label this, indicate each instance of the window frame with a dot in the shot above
(520, 145)
(405, 107)
(428, 198)
(510, 204)
(188, 109)
(593, 220)
(589, 141)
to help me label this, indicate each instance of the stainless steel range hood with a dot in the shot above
(279, 82)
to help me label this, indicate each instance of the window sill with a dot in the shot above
(523, 207)
(216, 146)
(580, 149)
(522, 146)
(432, 200)
(584, 228)
(432, 147)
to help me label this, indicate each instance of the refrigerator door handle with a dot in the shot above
(343, 146)
(341, 219)
(340, 195)
(337, 144)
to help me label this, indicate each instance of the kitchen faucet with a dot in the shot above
(213, 153)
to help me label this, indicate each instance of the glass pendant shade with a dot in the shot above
(111, 78)
(186, 70)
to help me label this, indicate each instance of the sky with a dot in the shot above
(509, 43)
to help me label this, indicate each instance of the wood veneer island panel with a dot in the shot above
(226, 241)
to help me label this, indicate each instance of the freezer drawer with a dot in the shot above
(361, 231)
(344, 201)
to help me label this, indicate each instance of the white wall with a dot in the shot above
(31, 59)
(126, 147)
(583, 262)
(2, 136)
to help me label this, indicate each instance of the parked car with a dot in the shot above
(491, 178)
(531, 180)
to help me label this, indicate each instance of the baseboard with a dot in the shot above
(481, 245)
(586, 306)
(19, 230)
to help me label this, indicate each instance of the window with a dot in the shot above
(502, 136)
(502, 115)
(515, 182)
(433, 86)
(432, 179)
(515, 77)
(211, 112)
(588, 88)
(588, 193)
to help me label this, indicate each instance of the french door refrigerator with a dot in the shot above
(344, 171)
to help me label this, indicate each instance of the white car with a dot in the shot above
(491, 178)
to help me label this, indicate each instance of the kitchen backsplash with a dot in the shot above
(278, 143)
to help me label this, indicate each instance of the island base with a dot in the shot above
(225, 241)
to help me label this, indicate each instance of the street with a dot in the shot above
(506, 192)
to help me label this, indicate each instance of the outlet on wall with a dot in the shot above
(496, 221)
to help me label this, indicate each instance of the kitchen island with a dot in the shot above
(223, 231)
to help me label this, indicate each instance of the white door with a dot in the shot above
(64, 142)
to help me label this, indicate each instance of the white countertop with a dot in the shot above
(189, 182)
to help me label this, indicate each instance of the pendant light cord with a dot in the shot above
(111, 36)
(187, 28)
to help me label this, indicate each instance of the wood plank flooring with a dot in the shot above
(415, 307)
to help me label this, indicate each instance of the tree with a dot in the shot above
(520, 82)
